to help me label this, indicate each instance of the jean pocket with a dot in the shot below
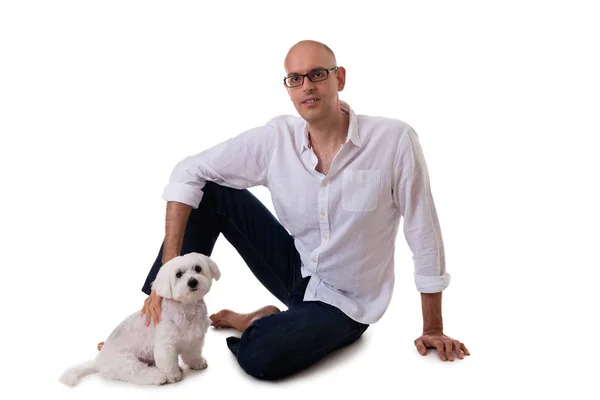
(360, 190)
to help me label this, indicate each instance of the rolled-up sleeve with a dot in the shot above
(421, 227)
(240, 162)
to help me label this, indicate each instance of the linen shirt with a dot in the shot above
(345, 223)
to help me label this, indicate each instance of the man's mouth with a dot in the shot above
(310, 101)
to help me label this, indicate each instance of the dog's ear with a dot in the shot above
(214, 269)
(162, 283)
(212, 266)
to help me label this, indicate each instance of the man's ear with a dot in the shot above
(162, 284)
(341, 78)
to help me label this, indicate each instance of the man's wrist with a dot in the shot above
(432, 313)
(167, 257)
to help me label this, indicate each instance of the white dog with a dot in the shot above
(149, 355)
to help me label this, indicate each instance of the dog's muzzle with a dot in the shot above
(193, 284)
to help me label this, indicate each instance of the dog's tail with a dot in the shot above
(72, 375)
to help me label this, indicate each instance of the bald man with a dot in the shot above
(340, 184)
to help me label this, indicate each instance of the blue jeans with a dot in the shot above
(281, 344)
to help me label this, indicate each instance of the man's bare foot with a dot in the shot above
(238, 321)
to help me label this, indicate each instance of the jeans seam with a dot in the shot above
(257, 253)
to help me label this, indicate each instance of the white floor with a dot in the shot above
(516, 348)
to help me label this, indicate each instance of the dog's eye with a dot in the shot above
(179, 274)
(198, 269)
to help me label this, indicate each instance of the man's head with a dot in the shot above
(316, 58)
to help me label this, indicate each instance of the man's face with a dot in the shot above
(314, 101)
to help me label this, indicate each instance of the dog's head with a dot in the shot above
(186, 278)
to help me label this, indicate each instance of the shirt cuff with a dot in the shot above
(432, 284)
(183, 193)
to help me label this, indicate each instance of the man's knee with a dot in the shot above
(260, 359)
(260, 367)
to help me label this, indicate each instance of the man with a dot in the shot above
(340, 184)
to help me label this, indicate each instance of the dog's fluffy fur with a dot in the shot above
(149, 355)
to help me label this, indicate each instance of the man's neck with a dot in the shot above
(329, 134)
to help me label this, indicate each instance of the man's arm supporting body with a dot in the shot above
(423, 235)
(433, 333)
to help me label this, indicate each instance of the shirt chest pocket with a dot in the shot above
(360, 190)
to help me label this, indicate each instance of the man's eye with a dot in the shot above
(198, 269)
(179, 274)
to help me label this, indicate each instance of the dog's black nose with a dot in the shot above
(193, 282)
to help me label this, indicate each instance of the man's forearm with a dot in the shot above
(431, 304)
(175, 223)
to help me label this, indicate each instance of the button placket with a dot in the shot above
(322, 202)
(324, 223)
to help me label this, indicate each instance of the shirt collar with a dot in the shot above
(353, 135)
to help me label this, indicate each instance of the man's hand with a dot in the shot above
(445, 345)
(152, 308)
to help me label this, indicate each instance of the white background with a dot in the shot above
(99, 100)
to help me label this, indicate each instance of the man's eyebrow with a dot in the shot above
(312, 70)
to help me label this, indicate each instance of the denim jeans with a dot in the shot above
(281, 344)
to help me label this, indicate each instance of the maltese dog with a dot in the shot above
(149, 355)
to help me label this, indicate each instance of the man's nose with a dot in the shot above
(307, 85)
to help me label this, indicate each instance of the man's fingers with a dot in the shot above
(445, 347)
(440, 349)
(149, 311)
(420, 347)
(448, 347)
(458, 350)
(146, 306)
(153, 315)
(156, 314)
(464, 349)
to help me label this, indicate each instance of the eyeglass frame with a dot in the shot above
(303, 76)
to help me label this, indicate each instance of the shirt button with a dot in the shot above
(324, 184)
(314, 260)
(322, 213)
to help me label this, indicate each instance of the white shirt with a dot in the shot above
(344, 223)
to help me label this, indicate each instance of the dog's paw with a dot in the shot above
(200, 364)
(154, 378)
(176, 377)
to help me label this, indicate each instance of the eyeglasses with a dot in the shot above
(316, 75)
